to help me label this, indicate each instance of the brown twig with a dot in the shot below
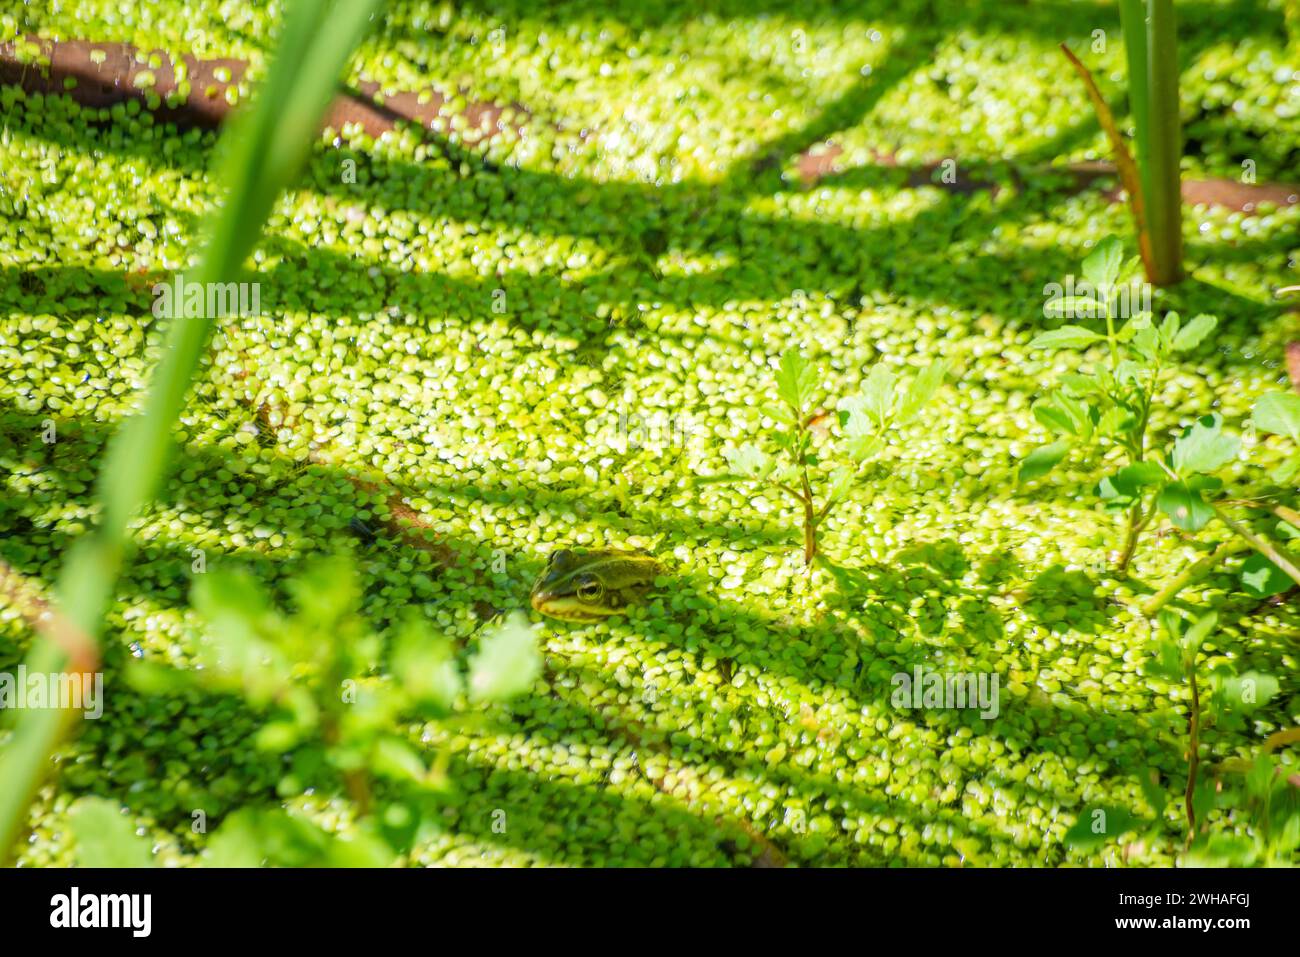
(1128, 171)
(1194, 759)
(111, 77)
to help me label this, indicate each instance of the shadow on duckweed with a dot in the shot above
(1065, 600)
(803, 255)
(1038, 724)
(807, 255)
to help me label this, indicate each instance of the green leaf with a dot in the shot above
(1113, 495)
(1142, 473)
(795, 380)
(1098, 825)
(1041, 461)
(787, 475)
(1063, 414)
(424, 663)
(1146, 343)
(252, 837)
(1116, 420)
(1169, 330)
(1191, 335)
(396, 760)
(877, 396)
(1196, 634)
(921, 391)
(1075, 307)
(1260, 578)
(841, 480)
(1260, 777)
(507, 662)
(277, 737)
(1222, 850)
(1279, 413)
(1204, 447)
(325, 591)
(1129, 481)
(1166, 662)
(1129, 372)
(1204, 797)
(779, 413)
(860, 447)
(1288, 838)
(854, 417)
(1101, 268)
(230, 591)
(1156, 796)
(106, 838)
(1249, 691)
(1066, 337)
(1184, 506)
(1285, 473)
(1080, 385)
(1171, 623)
(749, 461)
(232, 646)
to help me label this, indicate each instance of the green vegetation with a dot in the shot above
(454, 335)
(1113, 403)
(332, 707)
(266, 151)
(866, 420)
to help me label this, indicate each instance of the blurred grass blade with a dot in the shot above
(260, 154)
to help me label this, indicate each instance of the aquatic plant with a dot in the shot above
(334, 697)
(1111, 403)
(867, 421)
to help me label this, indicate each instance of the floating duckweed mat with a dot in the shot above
(465, 357)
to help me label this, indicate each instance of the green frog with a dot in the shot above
(590, 584)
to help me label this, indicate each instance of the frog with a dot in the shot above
(586, 585)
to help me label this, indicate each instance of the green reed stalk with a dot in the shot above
(1151, 47)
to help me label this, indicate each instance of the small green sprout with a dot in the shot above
(1175, 661)
(867, 421)
(1111, 403)
(1227, 704)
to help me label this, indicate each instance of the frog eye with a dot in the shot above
(590, 590)
(559, 558)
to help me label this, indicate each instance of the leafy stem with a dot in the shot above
(1113, 403)
(1139, 517)
(1261, 545)
(865, 419)
(1192, 573)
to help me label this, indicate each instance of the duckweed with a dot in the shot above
(478, 348)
